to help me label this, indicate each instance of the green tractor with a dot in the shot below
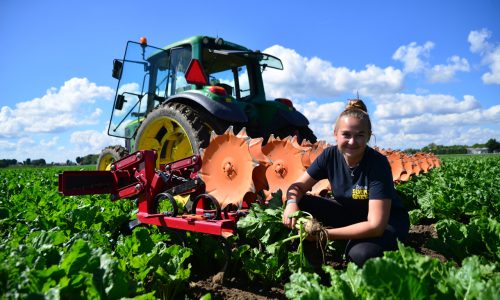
(171, 99)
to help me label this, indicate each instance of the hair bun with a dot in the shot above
(356, 104)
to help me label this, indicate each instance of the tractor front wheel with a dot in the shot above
(109, 155)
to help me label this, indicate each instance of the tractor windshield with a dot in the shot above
(143, 80)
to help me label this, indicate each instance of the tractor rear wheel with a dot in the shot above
(176, 131)
(109, 155)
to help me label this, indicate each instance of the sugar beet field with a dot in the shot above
(56, 247)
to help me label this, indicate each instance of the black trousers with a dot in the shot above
(332, 213)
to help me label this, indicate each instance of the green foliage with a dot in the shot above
(479, 237)
(71, 248)
(266, 255)
(460, 189)
(440, 149)
(401, 274)
(7, 162)
(493, 145)
(462, 197)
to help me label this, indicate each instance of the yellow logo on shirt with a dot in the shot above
(360, 192)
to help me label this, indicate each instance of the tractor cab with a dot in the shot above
(210, 67)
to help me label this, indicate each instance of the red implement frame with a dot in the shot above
(135, 176)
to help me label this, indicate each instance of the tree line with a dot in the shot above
(492, 145)
(90, 159)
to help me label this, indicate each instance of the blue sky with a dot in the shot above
(429, 71)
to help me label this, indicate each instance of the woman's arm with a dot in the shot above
(295, 192)
(374, 226)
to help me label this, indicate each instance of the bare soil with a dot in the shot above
(234, 288)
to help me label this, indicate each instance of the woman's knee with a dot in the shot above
(361, 252)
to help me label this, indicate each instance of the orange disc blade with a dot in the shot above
(321, 188)
(397, 167)
(287, 164)
(311, 154)
(227, 169)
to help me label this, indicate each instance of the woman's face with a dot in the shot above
(352, 135)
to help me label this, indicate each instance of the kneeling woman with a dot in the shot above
(366, 209)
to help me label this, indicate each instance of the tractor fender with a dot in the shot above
(226, 111)
(294, 118)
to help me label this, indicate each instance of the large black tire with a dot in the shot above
(109, 155)
(302, 133)
(176, 131)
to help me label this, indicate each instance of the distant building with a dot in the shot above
(477, 150)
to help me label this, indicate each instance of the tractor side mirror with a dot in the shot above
(120, 99)
(117, 69)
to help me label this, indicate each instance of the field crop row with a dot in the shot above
(73, 247)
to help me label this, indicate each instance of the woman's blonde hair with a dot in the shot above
(356, 108)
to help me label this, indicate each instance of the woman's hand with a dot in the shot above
(290, 209)
(295, 192)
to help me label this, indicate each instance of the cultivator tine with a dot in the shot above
(416, 166)
(436, 161)
(403, 166)
(408, 165)
(422, 161)
(243, 134)
(213, 135)
(430, 162)
(397, 167)
(295, 142)
(313, 152)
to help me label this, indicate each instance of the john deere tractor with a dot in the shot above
(171, 99)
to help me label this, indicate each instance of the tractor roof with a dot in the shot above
(198, 39)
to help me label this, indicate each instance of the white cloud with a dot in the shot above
(92, 141)
(453, 123)
(414, 121)
(323, 131)
(493, 60)
(130, 100)
(321, 113)
(57, 110)
(415, 60)
(50, 143)
(458, 135)
(477, 40)
(7, 146)
(410, 55)
(444, 73)
(489, 52)
(19, 149)
(409, 105)
(310, 78)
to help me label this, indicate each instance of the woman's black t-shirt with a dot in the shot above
(353, 188)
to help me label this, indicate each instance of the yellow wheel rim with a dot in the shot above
(168, 138)
(105, 162)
